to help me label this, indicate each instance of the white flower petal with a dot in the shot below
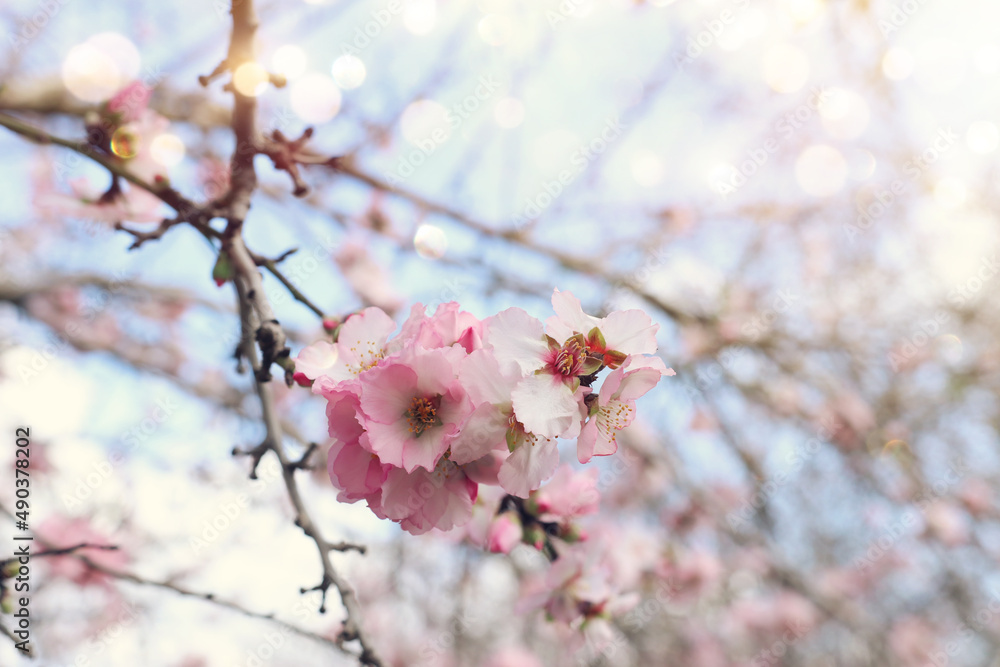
(517, 339)
(528, 466)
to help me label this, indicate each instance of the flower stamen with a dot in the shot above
(423, 414)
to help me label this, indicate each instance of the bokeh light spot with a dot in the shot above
(509, 112)
(290, 61)
(122, 51)
(647, 169)
(124, 143)
(949, 192)
(982, 137)
(250, 79)
(803, 11)
(785, 68)
(167, 149)
(90, 74)
(349, 71)
(897, 64)
(315, 98)
(419, 16)
(820, 170)
(425, 120)
(844, 114)
(430, 242)
(495, 29)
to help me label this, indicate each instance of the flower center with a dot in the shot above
(423, 414)
(570, 357)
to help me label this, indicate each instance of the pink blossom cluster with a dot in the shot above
(421, 419)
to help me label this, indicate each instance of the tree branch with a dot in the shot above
(258, 320)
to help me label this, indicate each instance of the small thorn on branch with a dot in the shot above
(322, 587)
(271, 340)
(301, 463)
(142, 237)
(256, 454)
(348, 546)
(219, 70)
(287, 154)
(260, 260)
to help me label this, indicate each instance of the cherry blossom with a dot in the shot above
(621, 333)
(421, 500)
(614, 408)
(360, 346)
(568, 495)
(420, 420)
(413, 407)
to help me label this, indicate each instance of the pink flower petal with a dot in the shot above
(484, 431)
(479, 373)
(387, 392)
(528, 466)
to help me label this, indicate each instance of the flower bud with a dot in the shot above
(505, 533)
(535, 536)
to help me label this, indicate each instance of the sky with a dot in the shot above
(625, 125)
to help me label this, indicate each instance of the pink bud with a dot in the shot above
(505, 533)
(302, 380)
(131, 101)
(330, 324)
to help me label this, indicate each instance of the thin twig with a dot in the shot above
(259, 322)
